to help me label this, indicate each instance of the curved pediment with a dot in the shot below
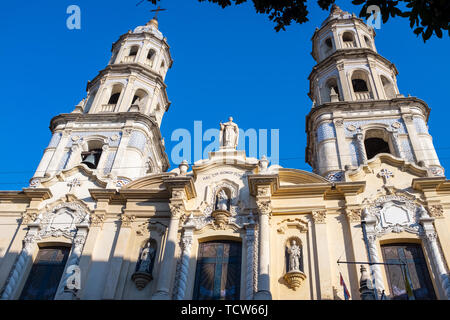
(296, 176)
(153, 181)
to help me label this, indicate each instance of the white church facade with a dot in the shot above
(103, 218)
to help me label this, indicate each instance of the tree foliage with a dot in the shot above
(427, 17)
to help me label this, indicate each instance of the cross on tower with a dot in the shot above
(157, 10)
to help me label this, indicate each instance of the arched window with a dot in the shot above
(113, 99)
(218, 272)
(45, 274)
(388, 87)
(139, 99)
(326, 47)
(331, 93)
(150, 54)
(376, 142)
(348, 39)
(91, 157)
(368, 42)
(360, 85)
(133, 51)
(407, 268)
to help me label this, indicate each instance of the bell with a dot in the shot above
(90, 161)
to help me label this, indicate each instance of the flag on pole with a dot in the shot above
(346, 293)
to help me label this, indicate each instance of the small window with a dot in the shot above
(45, 274)
(368, 44)
(150, 54)
(329, 44)
(359, 85)
(347, 37)
(114, 98)
(91, 158)
(375, 146)
(134, 51)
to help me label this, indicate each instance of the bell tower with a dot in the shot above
(358, 112)
(115, 130)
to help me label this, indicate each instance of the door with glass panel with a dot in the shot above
(218, 272)
(45, 274)
(414, 272)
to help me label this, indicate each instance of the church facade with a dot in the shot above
(103, 218)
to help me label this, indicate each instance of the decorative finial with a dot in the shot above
(335, 9)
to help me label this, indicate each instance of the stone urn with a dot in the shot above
(221, 218)
(141, 279)
(294, 279)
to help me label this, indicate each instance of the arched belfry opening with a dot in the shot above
(91, 157)
(375, 142)
(360, 84)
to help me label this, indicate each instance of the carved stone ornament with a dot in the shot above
(97, 220)
(351, 128)
(436, 211)
(354, 215)
(319, 216)
(264, 207)
(396, 125)
(394, 213)
(126, 220)
(294, 279)
(61, 221)
(221, 218)
(177, 209)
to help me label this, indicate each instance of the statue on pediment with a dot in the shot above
(229, 134)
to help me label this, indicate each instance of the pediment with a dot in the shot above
(153, 181)
(81, 171)
(296, 176)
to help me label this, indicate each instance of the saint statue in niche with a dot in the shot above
(222, 201)
(294, 256)
(229, 134)
(146, 258)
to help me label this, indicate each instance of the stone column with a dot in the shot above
(23, 260)
(361, 148)
(180, 287)
(165, 274)
(250, 246)
(372, 250)
(430, 236)
(64, 293)
(265, 211)
(323, 255)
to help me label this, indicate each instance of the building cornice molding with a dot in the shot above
(343, 55)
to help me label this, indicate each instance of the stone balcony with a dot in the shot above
(363, 95)
(128, 59)
(108, 108)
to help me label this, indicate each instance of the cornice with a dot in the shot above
(349, 54)
(37, 193)
(185, 182)
(255, 180)
(431, 184)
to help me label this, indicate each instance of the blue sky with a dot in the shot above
(226, 62)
